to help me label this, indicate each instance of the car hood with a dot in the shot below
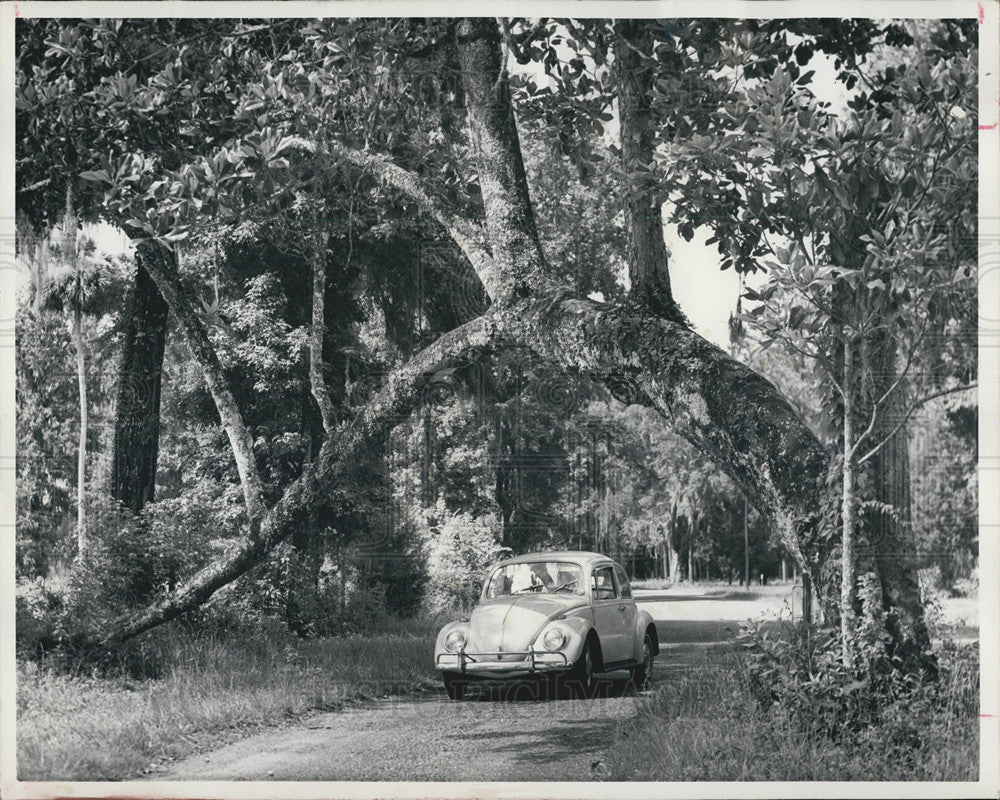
(510, 624)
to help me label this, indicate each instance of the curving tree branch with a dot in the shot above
(335, 467)
(164, 273)
(466, 233)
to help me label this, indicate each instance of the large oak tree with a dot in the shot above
(642, 350)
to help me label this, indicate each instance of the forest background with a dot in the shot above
(299, 269)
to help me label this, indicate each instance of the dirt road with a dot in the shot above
(499, 733)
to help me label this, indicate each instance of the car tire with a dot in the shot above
(579, 681)
(455, 686)
(640, 674)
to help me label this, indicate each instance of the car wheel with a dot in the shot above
(641, 673)
(455, 686)
(579, 681)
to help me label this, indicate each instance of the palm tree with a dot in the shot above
(73, 286)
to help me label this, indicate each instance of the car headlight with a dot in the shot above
(554, 638)
(455, 640)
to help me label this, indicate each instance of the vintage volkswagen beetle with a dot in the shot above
(562, 614)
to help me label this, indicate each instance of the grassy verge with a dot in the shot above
(705, 725)
(207, 689)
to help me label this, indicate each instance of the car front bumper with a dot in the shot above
(489, 665)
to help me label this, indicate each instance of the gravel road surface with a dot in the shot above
(500, 733)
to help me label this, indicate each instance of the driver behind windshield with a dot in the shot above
(540, 577)
(530, 578)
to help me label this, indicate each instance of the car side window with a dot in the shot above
(604, 584)
(623, 584)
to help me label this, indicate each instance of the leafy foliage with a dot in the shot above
(800, 672)
(216, 139)
(706, 725)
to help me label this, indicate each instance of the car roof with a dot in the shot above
(582, 557)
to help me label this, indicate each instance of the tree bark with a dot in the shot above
(72, 257)
(891, 534)
(137, 409)
(649, 273)
(848, 565)
(316, 330)
(81, 457)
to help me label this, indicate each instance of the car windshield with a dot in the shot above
(535, 577)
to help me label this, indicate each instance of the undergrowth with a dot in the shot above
(755, 716)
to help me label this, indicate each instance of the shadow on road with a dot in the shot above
(539, 691)
(705, 631)
(564, 739)
(674, 631)
(555, 731)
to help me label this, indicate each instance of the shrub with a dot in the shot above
(705, 724)
(460, 549)
(39, 614)
(128, 562)
(800, 672)
(313, 599)
(134, 558)
(967, 587)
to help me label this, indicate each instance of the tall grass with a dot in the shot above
(706, 725)
(181, 691)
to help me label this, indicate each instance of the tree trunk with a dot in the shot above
(510, 218)
(81, 459)
(69, 245)
(506, 496)
(672, 551)
(891, 534)
(317, 329)
(746, 543)
(648, 262)
(848, 566)
(137, 409)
